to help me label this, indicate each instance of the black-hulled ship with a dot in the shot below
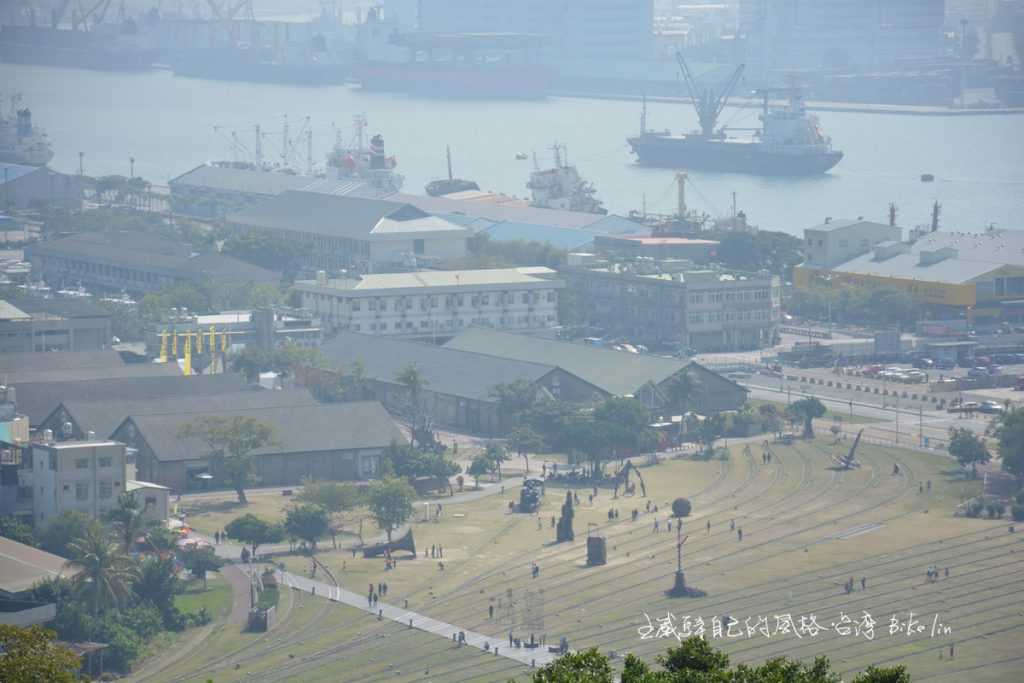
(789, 142)
(451, 184)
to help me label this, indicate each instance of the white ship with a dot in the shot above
(20, 142)
(562, 187)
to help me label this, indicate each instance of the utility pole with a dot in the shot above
(81, 170)
(131, 167)
(920, 425)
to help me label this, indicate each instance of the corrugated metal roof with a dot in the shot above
(11, 172)
(445, 278)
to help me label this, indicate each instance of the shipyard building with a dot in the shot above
(977, 276)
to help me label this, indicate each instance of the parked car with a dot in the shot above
(977, 373)
(968, 407)
(991, 407)
(945, 364)
(924, 363)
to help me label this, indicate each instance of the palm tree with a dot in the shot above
(106, 573)
(413, 380)
(128, 517)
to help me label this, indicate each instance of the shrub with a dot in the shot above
(1017, 512)
(974, 508)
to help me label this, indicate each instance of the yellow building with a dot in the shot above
(970, 274)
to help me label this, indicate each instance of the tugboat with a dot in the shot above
(790, 141)
(20, 142)
(439, 188)
(562, 187)
(368, 164)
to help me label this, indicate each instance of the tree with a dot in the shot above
(523, 441)
(589, 666)
(710, 430)
(157, 583)
(254, 531)
(695, 661)
(64, 529)
(128, 518)
(200, 560)
(334, 497)
(680, 391)
(163, 541)
(230, 442)
(771, 422)
(514, 398)
(308, 522)
(390, 502)
(808, 409)
(16, 530)
(106, 573)
(31, 655)
(1010, 433)
(250, 362)
(411, 377)
(496, 455)
(968, 449)
(479, 466)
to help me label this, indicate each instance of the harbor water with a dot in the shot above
(170, 125)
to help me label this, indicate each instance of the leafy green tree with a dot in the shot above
(1010, 434)
(514, 398)
(479, 466)
(496, 455)
(230, 442)
(16, 530)
(588, 666)
(200, 560)
(710, 430)
(524, 441)
(105, 572)
(308, 522)
(807, 409)
(61, 531)
(162, 540)
(157, 584)
(694, 654)
(968, 449)
(254, 531)
(334, 497)
(30, 655)
(680, 390)
(390, 502)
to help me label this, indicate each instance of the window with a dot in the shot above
(105, 462)
(150, 501)
(24, 493)
(82, 464)
(81, 492)
(106, 490)
(551, 297)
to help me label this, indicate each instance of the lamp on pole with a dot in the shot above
(131, 167)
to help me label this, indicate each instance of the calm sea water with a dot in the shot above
(168, 125)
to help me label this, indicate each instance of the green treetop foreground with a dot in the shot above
(695, 661)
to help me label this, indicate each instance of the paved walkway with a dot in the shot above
(538, 656)
(239, 580)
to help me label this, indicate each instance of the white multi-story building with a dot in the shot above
(436, 303)
(84, 476)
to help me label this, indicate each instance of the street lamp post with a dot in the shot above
(131, 167)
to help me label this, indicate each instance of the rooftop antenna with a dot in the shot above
(259, 147)
(448, 152)
(556, 148)
(284, 142)
(681, 181)
(643, 115)
(936, 211)
(892, 213)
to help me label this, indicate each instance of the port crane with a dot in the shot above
(708, 103)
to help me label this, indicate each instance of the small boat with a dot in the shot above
(927, 178)
(521, 156)
(451, 184)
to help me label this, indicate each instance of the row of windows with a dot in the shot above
(83, 463)
(105, 490)
(728, 316)
(427, 325)
(724, 295)
(449, 301)
(101, 269)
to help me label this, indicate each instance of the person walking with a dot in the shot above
(709, 527)
(863, 583)
(739, 533)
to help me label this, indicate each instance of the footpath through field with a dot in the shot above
(538, 656)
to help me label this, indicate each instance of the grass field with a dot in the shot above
(807, 530)
(829, 413)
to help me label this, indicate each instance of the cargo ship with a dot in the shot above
(20, 141)
(562, 187)
(789, 142)
(107, 47)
